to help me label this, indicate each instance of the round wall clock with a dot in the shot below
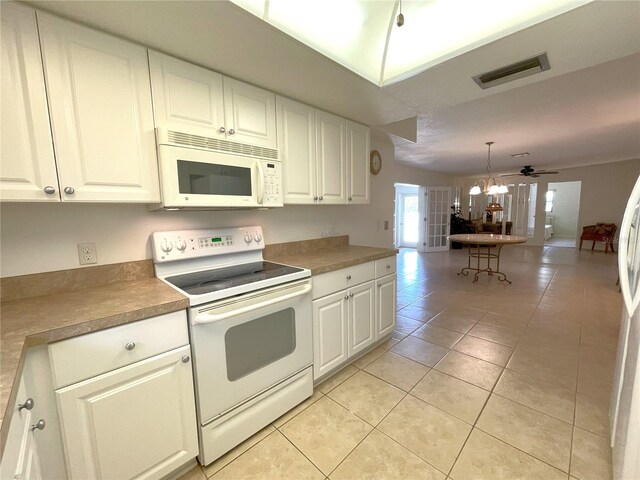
(375, 162)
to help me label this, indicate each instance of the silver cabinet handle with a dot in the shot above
(346, 297)
(222, 129)
(39, 426)
(348, 277)
(321, 198)
(351, 295)
(130, 346)
(186, 359)
(49, 190)
(388, 266)
(69, 190)
(349, 198)
(28, 404)
(231, 131)
(379, 285)
(315, 198)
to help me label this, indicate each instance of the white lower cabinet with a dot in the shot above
(386, 288)
(347, 321)
(135, 422)
(33, 447)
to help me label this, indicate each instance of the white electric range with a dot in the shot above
(250, 330)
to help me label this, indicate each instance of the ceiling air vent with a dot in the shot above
(521, 69)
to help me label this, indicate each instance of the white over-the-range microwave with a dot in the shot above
(199, 172)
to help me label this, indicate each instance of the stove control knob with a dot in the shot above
(166, 246)
(248, 238)
(257, 237)
(181, 245)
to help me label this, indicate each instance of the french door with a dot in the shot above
(436, 206)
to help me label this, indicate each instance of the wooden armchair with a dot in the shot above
(600, 232)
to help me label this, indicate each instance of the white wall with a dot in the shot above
(603, 196)
(566, 206)
(44, 237)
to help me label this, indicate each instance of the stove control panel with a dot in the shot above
(185, 244)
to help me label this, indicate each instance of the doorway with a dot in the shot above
(562, 207)
(407, 215)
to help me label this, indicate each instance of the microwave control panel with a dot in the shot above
(272, 181)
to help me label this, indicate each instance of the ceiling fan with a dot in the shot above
(529, 171)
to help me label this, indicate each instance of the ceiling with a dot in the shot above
(585, 109)
(369, 38)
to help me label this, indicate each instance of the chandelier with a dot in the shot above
(490, 185)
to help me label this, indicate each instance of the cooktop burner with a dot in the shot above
(199, 283)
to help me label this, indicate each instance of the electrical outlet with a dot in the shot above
(87, 253)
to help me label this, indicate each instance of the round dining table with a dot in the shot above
(475, 242)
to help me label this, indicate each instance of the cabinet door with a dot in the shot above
(361, 317)
(330, 333)
(330, 158)
(101, 114)
(357, 163)
(135, 422)
(297, 144)
(27, 165)
(186, 96)
(385, 305)
(250, 114)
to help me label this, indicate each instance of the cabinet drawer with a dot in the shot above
(385, 266)
(89, 355)
(331, 282)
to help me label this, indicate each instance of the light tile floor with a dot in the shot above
(479, 381)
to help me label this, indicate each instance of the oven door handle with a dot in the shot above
(213, 317)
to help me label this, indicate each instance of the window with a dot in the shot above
(548, 206)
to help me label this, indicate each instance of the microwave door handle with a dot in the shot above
(260, 182)
(213, 317)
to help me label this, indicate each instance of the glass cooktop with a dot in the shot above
(207, 281)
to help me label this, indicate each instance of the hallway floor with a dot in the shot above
(479, 381)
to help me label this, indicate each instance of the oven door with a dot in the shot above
(244, 345)
(197, 178)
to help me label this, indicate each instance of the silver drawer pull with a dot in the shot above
(348, 277)
(346, 297)
(222, 130)
(130, 346)
(231, 131)
(379, 285)
(388, 266)
(49, 190)
(69, 190)
(351, 295)
(28, 404)
(39, 426)
(321, 197)
(186, 359)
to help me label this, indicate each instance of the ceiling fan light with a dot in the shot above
(503, 189)
(475, 190)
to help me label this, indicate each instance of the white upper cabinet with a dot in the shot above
(198, 101)
(27, 166)
(330, 158)
(186, 96)
(250, 114)
(358, 146)
(297, 143)
(101, 114)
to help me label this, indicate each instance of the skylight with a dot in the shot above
(362, 35)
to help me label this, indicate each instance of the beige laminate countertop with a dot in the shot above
(49, 318)
(333, 258)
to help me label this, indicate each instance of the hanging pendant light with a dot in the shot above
(490, 185)
(400, 19)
